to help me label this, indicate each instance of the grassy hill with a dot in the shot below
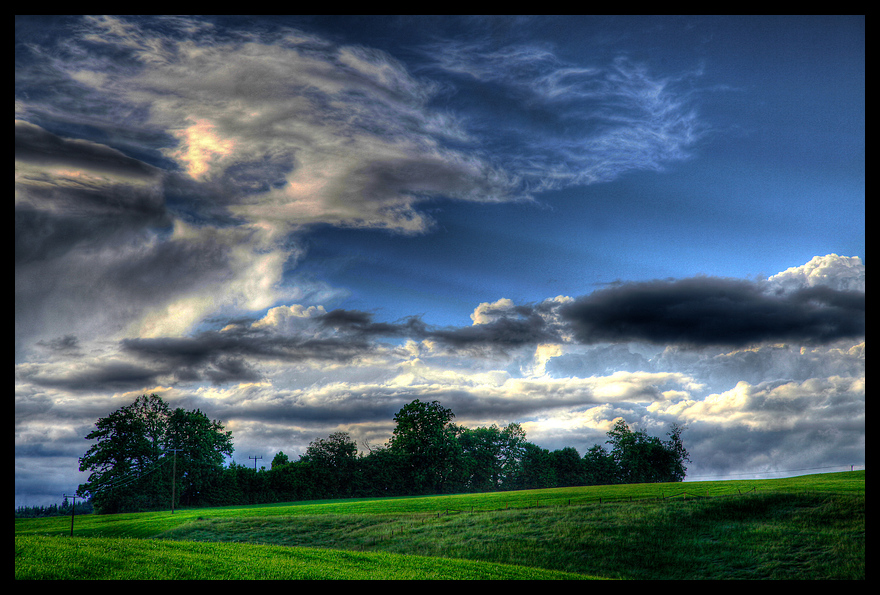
(809, 527)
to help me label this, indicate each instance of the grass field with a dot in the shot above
(810, 527)
(119, 558)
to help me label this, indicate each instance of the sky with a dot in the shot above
(300, 224)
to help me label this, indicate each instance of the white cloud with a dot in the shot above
(844, 273)
(288, 318)
(272, 132)
(201, 148)
(487, 312)
(543, 354)
(776, 406)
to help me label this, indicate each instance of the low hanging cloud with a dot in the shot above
(299, 373)
(705, 311)
(690, 313)
(777, 405)
(678, 315)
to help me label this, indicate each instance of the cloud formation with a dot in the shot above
(298, 373)
(712, 311)
(295, 129)
(680, 316)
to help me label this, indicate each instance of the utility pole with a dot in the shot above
(174, 476)
(255, 461)
(72, 511)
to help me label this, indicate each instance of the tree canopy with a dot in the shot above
(133, 460)
(139, 446)
(426, 436)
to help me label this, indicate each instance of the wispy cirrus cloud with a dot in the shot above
(578, 124)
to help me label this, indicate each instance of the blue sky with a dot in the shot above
(299, 224)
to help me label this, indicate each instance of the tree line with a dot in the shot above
(65, 509)
(145, 455)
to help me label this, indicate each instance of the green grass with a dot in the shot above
(114, 558)
(810, 527)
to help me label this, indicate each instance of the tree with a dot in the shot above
(384, 472)
(490, 456)
(568, 467)
(202, 445)
(131, 462)
(426, 437)
(599, 467)
(279, 459)
(678, 454)
(336, 452)
(645, 459)
(333, 461)
(535, 470)
(126, 463)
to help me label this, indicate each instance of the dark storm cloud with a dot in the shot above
(40, 147)
(72, 191)
(112, 375)
(525, 327)
(222, 354)
(361, 323)
(704, 311)
(505, 332)
(693, 312)
(65, 344)
(686, 313)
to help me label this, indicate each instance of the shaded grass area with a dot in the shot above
(764, 536)
(137, 559)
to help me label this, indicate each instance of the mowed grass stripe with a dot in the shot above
(136, 559)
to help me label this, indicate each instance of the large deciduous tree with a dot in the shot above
(126, 462)
(202, 445)
(333, 462)
(647, 459)
(426, 437)
(491, 456)
(131, 462)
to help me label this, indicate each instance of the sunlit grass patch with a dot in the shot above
(62, 558)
